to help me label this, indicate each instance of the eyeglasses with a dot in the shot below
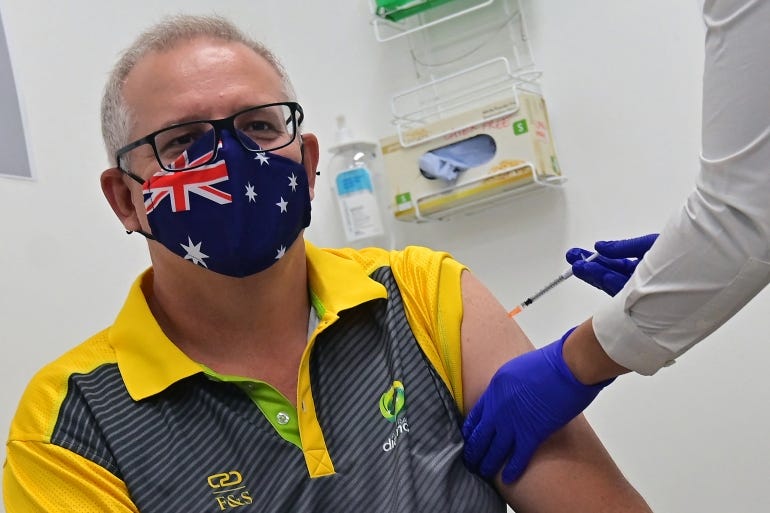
(263, 128)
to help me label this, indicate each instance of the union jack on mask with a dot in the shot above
(236, 215)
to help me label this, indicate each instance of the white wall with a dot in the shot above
(622, 80)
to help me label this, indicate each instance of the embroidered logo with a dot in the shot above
(392, 402)
(228, 490)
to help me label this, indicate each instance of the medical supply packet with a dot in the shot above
(522, 155)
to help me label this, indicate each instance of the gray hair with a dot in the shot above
(116, 115)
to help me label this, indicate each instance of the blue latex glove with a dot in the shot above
(615, 264)
(528, 399)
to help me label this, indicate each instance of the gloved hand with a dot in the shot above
(528, 399)
(615, 264)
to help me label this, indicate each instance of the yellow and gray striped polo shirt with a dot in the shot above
(127, 422)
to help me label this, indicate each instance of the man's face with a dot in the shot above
(200, 79)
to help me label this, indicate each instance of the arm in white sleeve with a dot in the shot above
(714, 255)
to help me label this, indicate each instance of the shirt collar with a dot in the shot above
(149, 362)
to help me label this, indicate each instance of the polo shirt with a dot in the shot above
(127, 422)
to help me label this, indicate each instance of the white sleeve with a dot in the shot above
(714, 255)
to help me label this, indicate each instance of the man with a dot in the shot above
(249, 370)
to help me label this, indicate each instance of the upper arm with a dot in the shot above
(571, 471)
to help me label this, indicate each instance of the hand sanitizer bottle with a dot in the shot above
(357, 187)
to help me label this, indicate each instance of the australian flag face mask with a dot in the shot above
(236, 215)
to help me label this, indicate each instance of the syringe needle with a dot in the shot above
(562, 277)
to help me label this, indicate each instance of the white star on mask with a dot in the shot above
(281, 252)
(194, 252)
(282, 204)
(250, 193)
(262, 158)
(293, 183)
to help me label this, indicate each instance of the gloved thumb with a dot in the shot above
(477, 435)
(517, 464)
(471, 420)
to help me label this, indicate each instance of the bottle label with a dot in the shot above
(358, 204)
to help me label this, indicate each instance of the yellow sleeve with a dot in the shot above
(39, 476)
(430, 286)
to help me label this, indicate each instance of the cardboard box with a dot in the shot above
(524, 154)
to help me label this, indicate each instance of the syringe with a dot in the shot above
(563, 276)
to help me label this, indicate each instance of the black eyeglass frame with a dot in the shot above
(297, 117)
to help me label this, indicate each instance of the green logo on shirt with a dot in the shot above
(392, 401)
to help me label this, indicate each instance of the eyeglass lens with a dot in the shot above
(259, 129)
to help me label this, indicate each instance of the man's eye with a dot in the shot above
(182, 140)
(255, 127)
(176, 142)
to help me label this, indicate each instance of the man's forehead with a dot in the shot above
(199, 54)
(200, 78)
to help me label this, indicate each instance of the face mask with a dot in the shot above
(236, 215)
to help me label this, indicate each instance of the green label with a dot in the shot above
(520, 127)
(404, 197)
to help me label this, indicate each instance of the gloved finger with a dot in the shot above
(626, 248)
(477, 445)
(624, 266)
(600, 277)
(621, 265)
(517, 464)
(575, 254)
(591, 274)
(473, 419)
(477, 441)
(612, 283)
(503, 443)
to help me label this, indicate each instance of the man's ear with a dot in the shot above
(118, 194)
(310, 154)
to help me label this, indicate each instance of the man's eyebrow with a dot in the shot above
(182, 119)
(197, 117)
